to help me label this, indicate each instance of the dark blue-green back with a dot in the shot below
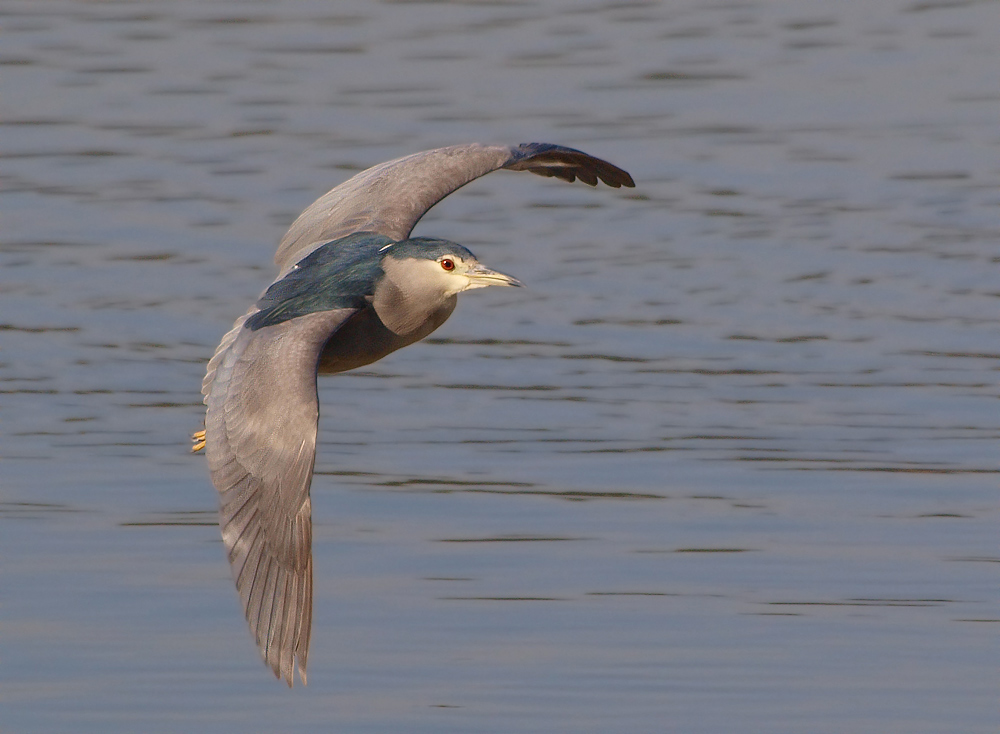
(338, 274)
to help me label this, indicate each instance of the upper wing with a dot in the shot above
(260, 432)
(391, 197)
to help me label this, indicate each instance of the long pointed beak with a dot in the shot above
(480, 277)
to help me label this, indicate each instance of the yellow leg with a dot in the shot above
(199, 441)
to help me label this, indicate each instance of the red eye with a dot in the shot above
(448, 264)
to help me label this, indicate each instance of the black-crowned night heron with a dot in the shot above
(352, 288)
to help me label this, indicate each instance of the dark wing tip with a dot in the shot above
(568, 164)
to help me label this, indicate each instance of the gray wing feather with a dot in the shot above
(260, 431)
(391, 197)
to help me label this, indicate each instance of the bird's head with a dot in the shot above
(440, 265)
(423, 275)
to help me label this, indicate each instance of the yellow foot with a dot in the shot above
(199, 441)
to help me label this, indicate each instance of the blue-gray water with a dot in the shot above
(727, 465)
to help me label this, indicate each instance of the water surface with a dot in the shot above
(727, 464)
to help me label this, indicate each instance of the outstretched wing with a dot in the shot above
(260, 433)
(391, 197)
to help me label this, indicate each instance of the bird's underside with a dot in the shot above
(260, 386)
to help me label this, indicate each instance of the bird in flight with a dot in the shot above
(353, 286)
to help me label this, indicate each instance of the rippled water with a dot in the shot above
(728, 464)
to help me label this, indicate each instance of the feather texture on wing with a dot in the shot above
(390, 198)
(261, 445)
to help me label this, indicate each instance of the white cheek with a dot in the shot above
(452, 283)
(449, 283)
